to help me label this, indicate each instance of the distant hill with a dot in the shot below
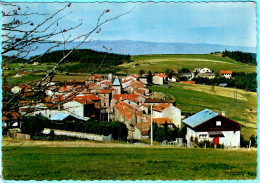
(144, 48)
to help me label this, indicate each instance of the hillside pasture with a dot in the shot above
(159, 63)
(194, 98)
(102, 163)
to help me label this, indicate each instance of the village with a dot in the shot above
(126, 99)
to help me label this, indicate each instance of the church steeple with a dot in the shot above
(117, 86)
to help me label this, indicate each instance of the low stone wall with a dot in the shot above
(88, 136)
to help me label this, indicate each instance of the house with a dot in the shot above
(173, 79)
(205, 70)
(206, 73)
(209, 125)
(185, 76)
(158, 80)
(143, 79)
(84, 106)
(142, 128)
(23, 89)
(11, 122)
(167, 110)
(226, 74)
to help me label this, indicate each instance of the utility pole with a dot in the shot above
(151, 125)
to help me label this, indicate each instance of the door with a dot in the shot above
(216, 141)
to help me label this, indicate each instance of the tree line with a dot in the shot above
(84, 56)
(239, 56)
(241, 80)
(34, 125)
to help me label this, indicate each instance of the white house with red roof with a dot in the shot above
(166, 110)
(226, 74)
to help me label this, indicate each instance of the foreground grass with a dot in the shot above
(194, 98)
(49, 163)
(159, 63)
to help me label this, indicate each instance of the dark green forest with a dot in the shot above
(247, 58)
(241, 80)
(33, 125)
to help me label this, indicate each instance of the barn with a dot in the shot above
(209, 125)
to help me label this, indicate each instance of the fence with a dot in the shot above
(79, 135)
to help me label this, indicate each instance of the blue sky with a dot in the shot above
(227, 23)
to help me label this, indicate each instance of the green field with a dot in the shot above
(159, 63)
(194, 98)
(63, 163)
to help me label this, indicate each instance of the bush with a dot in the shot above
(118, 130)
(33, 125)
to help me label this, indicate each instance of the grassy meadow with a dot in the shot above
(194, 98)
(159, 63)
(83, 163)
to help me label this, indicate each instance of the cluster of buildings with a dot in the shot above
(125, 99)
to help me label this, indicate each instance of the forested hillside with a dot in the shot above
(239, 56)
(84, 56)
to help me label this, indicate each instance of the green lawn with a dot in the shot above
(25, 79)
(194, 98)
(159, 63)
(50, 163)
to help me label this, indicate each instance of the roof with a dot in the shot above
(225, 72)
(9, 116)
(116, 82)
(161, 107)
(161, 121)
(150, 100)
(119, 97)
(188, 82)
(105, 92)
(126, 110)
(200, 117)
(61, 116)
(163, 75)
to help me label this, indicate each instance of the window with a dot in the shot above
(218, 123)
(202, 135)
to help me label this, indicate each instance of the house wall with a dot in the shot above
(228, 76)
(230, 139)
(143, 80)
(174, 114)
(75, 108)
(157, 80)
(157, 114)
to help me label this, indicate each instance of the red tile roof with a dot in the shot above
(105, 91)
(126, 110)
(225, 72)
(161, 121)
(162, 75)
(188, 82)
(119, 97)
(161, 107)
(6, 116)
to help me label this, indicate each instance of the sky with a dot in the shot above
(225, 23)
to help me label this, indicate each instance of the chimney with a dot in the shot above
(223, 113)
